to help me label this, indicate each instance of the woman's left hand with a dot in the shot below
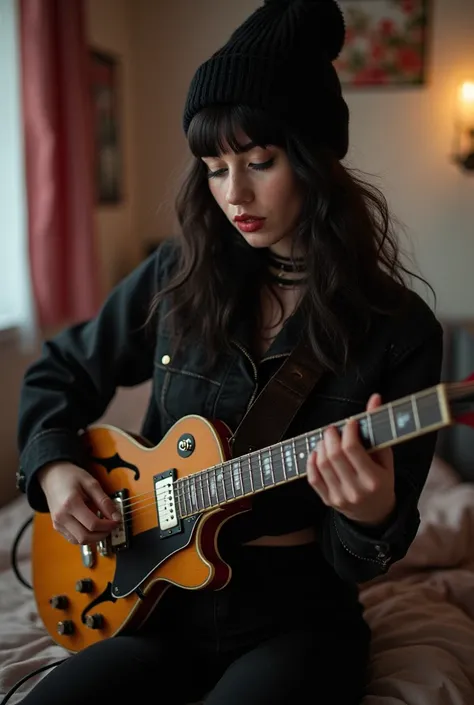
(349, 479)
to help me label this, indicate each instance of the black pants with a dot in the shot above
(284, 632)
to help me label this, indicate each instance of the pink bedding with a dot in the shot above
(421, 613)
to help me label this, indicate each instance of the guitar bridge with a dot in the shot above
(119, 538)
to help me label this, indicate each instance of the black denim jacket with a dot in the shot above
(76, 377)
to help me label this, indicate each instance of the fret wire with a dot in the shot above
(231, 473)
(392, 421)
(270, 459)
(190, 489)
(179, 498)
(250, 475)
(202, 494)
(196, 495)
(209, 488)
(222, 476)
(283, 464)
(415, 412)
(304, 454)
(239, 465)
(190, 493)
(260, 468)
(220, 483)
(295, 455)
(184, 496)
(224, 485)
(370, 429)
(204, 489)
(214, 484)
(195, 488)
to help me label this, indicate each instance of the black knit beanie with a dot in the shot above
(280, 60)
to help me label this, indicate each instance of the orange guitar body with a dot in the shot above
(174, 499)
(73, 585)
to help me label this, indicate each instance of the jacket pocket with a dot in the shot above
(182, 388)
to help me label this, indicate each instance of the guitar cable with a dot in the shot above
(29, 675)
(23, 581)
(14, 551)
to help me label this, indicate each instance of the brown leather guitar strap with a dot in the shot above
(270, 415)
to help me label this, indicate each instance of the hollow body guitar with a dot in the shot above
(173, 499)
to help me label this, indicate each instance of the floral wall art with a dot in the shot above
(385, 43)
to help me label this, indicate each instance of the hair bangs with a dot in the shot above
(221, 129)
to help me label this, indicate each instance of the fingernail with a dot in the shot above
(116, 516)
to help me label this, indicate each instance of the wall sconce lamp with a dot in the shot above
(464, 139)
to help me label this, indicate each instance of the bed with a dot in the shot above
(421, 612)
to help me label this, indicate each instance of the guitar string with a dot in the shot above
(277, 466)
(180, 491)
(228, 483)
(202, 483)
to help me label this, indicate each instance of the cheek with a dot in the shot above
(284, 195)
(217, 192)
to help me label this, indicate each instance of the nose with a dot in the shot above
(238, 191)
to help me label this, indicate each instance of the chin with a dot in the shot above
(261, 239)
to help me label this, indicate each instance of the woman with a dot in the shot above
(278, 242)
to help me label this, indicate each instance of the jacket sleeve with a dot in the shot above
(358, 553)
(76, 376)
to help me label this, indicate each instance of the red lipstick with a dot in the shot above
(249, 223)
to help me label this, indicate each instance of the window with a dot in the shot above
(15, 295)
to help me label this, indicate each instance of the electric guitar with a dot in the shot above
(174, 498)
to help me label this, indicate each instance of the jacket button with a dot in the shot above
(165, 360)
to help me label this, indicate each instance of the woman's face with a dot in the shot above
(258, 191)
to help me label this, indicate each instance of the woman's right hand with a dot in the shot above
(74, 498)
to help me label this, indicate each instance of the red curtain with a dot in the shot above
(59, 160)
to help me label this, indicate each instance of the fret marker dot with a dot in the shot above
(165, 360)
(301, 455)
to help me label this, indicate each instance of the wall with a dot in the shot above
(108, 25)
(120, 245)
(402, 139)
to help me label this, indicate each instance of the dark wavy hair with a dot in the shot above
(352, 253)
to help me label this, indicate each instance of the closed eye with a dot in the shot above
(263, 165)
(260, 166)
(215, 174)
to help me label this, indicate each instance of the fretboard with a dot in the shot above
(286, 461)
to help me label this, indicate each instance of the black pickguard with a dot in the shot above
(106, 596)
(115, 462)
(146, 553)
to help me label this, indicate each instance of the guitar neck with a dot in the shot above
(245, 476)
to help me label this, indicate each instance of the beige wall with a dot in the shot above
(108, 25)
(170, 39)
(401, 138)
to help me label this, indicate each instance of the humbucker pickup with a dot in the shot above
(165, 499)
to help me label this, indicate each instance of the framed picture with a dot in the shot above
(385, 43)
(105, 104)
